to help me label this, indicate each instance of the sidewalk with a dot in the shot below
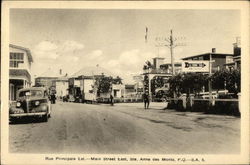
(152, 105)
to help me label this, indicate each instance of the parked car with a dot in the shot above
(65, 98)
(31, 102)
(160, 96)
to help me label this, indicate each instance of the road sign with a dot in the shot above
(195, 66)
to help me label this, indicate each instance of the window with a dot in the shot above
(16, 59)
(34, 93)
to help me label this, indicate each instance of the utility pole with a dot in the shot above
(209, 81)
(171, 51)
(161, 41)
(171, 45)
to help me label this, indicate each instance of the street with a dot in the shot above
(126, 128)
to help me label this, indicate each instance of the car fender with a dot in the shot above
(49, 107)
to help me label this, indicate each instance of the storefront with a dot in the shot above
(18, 79)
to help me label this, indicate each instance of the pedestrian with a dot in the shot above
(53, 98)
(111, 100)
(146, 100)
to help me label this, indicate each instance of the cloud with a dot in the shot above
(56, 54)
(113, 63)
(68, 55)
(46, 46)
(41, 54)
(129, 58)
(68, 46)
(52, 50)
(96, 54)
(45, 49)
(134, 59)
(128, 63)
(75, 58)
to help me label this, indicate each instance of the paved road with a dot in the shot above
(126, 129)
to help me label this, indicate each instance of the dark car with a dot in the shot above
(65, 98)
(31, 102)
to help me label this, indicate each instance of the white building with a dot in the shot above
(118, 90)
(19, 69)
(61, 85)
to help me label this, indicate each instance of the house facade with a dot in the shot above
(48, 79)
(236, 62)
(19, 69)
(218, 59)
(61, 86)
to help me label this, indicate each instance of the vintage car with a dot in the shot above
(31, 102)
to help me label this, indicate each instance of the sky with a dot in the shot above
(70, 39)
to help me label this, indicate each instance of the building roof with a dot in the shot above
(169, 64)
(33, 88)
(199, 55)
(63, 78)
(30, 58)
(92, 71)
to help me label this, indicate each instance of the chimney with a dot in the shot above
(60, 71)
(213, 50)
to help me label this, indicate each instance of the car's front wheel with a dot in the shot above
(45, 118)
(12, 120)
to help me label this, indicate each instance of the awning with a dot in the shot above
(19, 73)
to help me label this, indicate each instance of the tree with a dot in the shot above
(175, 84)
(234, 83)
(219, 79)
(224, 79)
(104, 83)
(147, 65)
(193, 82)
(117, 80)
(187, 83)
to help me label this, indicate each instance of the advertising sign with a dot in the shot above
(195, 66)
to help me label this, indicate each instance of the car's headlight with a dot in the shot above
(37, 103)
(18, 104)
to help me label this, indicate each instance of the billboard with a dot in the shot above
(195, 66)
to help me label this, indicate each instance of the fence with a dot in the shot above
(120, 100)
(217, 106)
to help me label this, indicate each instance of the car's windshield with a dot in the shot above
(33, 93)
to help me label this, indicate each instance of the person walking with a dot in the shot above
(146, 100)
(53, 98)
(111, 100)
